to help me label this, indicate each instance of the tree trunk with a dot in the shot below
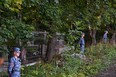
(93, 36)
(19, 16)
(23, 55)
(113, 39)
(51, 49)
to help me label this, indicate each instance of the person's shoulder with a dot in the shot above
(12, 58)
(81, 38)
(19, 59)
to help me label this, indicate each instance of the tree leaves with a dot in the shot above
(14, 5)
(57, 15)
(14, 29)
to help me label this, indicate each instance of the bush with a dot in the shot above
(99, 57)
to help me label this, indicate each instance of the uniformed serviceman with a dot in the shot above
(105, 38)
(15, 64)
(82, 43)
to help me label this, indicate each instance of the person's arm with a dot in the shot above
(11, 65)
(105, 36)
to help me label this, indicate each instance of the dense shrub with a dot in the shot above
(98, 58)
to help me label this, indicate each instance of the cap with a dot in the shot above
(16, 49)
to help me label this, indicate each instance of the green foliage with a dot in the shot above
(61, 16)
(3, 74)
(72, 37)
(74, 67)
(13, 5)
(18, 18)
(14, 29)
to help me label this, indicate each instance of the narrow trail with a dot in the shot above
(109, 72)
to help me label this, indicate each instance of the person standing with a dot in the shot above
(82, 43)
(105, 38)
(15, 64)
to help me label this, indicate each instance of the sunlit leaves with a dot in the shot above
(14, 29)
(14, 5)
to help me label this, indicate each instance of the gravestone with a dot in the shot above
(54, 45)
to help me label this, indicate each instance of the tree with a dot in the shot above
(12, 28)
(65, 16)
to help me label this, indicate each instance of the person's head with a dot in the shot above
(106, 32)
(17, 51)
(83, 35)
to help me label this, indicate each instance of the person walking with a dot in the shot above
(105, 38)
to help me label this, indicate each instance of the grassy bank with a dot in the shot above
(97, 59)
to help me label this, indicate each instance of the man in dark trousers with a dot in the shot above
(15, 64)
(82, 43)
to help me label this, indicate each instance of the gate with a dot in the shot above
(35, 48)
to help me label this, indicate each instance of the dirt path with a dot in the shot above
(110, 72)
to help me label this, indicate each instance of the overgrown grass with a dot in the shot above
(97, 58)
